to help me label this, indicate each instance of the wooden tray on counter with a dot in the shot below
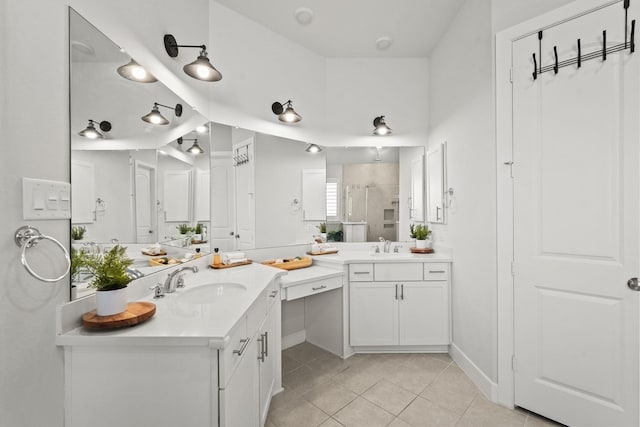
(290, 264)
(335, 251)
(421, 250)
(136, 313)
(161, 253)
(238, 264)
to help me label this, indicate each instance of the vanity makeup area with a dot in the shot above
(211, 353)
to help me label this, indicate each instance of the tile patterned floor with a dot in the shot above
(395, 390)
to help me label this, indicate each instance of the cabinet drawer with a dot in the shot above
(398, 271)
(361, 272)
(436, 271)
(236, 344)
(312, 288)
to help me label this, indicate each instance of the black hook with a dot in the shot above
(604, 45)
(555, 53)
(535, 67)
(579, 54)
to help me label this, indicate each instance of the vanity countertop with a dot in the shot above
(309, 274)
(183, 320)
(352, 257)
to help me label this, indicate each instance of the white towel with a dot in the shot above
(233, 255)
(234, 261)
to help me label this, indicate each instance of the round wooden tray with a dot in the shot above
(137, 312)
(421, 250)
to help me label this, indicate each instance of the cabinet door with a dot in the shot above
(239, 400)
(266, 363)
(373, 313)
(424, 313)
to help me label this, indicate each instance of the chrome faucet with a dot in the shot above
(134, 273)
(387, 244)
(174, 279)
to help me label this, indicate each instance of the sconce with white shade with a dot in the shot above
(135, 72)
(201, 68)
(287, 115)
(380, 126)
(313, 148)
(155, 118)
(92, 133)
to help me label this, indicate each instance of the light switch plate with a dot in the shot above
(45, 199)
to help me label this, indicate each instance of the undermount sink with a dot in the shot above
(210, 293)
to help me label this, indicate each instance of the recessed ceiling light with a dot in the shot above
(303, 15)
(383, 43)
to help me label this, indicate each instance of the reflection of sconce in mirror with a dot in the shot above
(313, 148)
(287, 115)
(201, 68)
(136, 73)
(155, 118)
(380, 126)
(92, 133)
(195, 148)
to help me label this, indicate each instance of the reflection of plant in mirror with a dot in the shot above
(334, 236)
(198, 229)
(183, 228)
(322, 227)
(78, 262)
(110, 269)
(421, 232)
(77, 233)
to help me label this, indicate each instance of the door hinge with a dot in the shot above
(513, 268)
(514, 363)
(510, 75)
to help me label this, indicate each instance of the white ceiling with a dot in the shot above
(350, 28)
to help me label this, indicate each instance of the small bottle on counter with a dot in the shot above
(216, 257)
(198, 254)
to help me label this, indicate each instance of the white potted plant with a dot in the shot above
(77, 233)
(422, 232)
(110, 280)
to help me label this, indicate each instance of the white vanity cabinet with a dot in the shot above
(400, 304)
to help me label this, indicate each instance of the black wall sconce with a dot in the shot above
(92, 133)
(195, 148)
(201, 68)
(155, 118)
(313, 148)
(287, 115)
(380, 126)
(135, 72)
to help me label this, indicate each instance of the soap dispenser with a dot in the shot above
(216, 257)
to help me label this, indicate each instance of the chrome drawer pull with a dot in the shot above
(319, 287)
(245, 343)
(261, 341)
(266, 344)
(360, 272)
(402, 292)
(273, 294)
(437, 271)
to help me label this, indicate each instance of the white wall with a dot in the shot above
(36, 144)
(461, 112)
(278, 180)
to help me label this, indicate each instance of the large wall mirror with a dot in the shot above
(134, 182)
(271, 191)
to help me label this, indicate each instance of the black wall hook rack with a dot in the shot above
(629, 43)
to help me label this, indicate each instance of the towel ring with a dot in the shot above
(27, 237)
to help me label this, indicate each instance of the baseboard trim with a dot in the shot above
(294, 339)
(475, 374)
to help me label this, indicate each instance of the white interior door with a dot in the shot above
(222, 196)
(245, 196)
(83, 192)
(144, 195)
(435, 184)
(576, 219)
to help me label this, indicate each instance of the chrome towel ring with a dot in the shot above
(28, 237)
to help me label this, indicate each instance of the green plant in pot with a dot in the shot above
(77, 232)
(421, 233)
(110, 279)
(183, 228)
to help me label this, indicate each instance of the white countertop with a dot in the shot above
(308, 274)
(351, 257)
(177, 322)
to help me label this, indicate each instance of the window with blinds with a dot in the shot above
(332, 200)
